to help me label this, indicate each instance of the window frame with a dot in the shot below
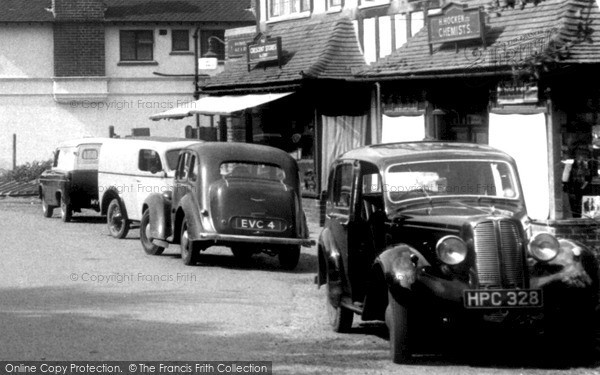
(187, 40)
(305, 7)
(137, 43)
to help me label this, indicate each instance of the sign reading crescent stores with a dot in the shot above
(455, 23)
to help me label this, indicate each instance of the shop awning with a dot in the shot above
(218, 105)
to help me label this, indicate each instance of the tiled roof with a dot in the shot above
(511, 35)
(25, 11)
(138, 11)
(178, 10)
(322, 48)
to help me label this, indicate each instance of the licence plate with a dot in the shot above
(267, 225)
(502, 298)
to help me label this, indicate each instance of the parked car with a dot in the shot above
(434, 238)
(243, 196)
(72, 182)
(129, 170)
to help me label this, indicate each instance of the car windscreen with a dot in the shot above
(242, 169)
(172, 156)
(450, 178)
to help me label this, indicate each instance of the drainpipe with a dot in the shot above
(196, 79)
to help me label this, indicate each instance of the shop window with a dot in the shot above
(279, 8)
(213, 40)
(137, 45)
(180, 40)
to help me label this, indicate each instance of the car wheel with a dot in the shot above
(289, 257)
(189, 255)
(47, 210)
(241, 254)
(340, 318)
(66, 211)
(396, 318)
(118, 225)
(149, 247)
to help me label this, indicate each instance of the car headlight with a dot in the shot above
(451, 250)
(544, 247)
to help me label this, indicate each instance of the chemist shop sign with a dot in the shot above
(456, 22)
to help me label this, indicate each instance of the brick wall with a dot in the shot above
(583, 230)
(79, 45)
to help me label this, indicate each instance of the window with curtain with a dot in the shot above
(279, 8)
(180, 40)
(137, 45)
(340, 134)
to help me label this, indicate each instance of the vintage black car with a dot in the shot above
(433, 238)
(72, 182)
(243, 196)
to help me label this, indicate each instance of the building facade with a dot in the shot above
(523, 80)
(75, 68)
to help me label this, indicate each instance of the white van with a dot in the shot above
(130, 169)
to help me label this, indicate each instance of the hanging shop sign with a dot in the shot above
(237, 44)
(456, 22)
(264, 49)
(517, 92)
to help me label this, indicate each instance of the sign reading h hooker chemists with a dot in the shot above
(456, 22)
(264, 49)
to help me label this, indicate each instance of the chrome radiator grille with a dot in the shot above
(498, 254)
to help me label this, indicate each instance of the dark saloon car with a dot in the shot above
(434, 239)
(243, 196)
(72, 182)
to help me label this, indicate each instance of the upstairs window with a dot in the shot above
(180, 40)
(279, 8)
(137, 45)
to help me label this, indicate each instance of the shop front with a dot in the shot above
(522, 80)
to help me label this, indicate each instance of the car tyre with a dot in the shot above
(189, 254)
(116, 219)
(149, 247)
(396, 318)
(47, 209)
(289, 257)
(66, 210)
(340, 318)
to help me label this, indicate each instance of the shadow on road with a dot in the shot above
(75, 323)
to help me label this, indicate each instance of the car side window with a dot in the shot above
(149, 161)
(342, 186)
(193, 168)
(181, 173)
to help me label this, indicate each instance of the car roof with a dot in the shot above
(218, 152)
(81, 141)
(159, 143)
(390, 153)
